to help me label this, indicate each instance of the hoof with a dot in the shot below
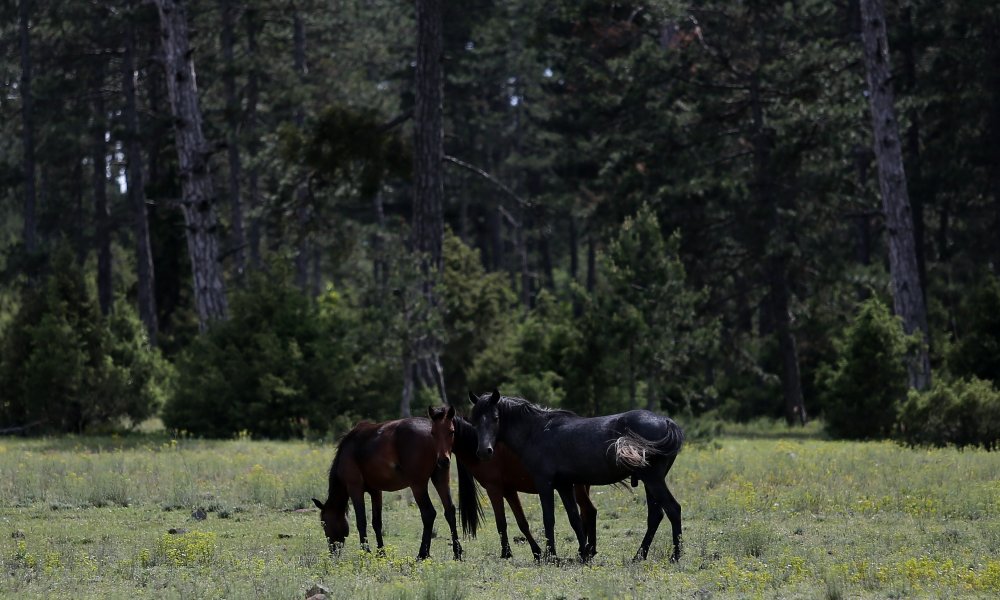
(506, 553)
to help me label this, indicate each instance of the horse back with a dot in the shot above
(389, 456)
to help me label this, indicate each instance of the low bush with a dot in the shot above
(964, 412)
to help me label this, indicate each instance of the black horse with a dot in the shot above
(560, 449)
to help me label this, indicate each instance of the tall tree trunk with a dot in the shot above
(920, 194)
(379, 266)
(253, 97)
(791, 379)
(198, 196)
(496, 239)
(79, 234)
(767, 197)
(237, 238)
(574, 249)
(102, 217)
(136, 186)
(908, 298)
(994, 137)
(428, 221)
(30, 234)
(591, 264)
(301, 208)
(428, 154)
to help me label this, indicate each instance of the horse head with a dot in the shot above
(443, 432)
(334, 522)
(486, 420)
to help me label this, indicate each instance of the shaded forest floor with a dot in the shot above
(799, 517)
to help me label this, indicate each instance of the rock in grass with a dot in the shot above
(177, 531)
(17, 534)
(317, 592)
(199, 514)
(284, 536)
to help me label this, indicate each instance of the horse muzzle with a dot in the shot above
(485, 453)
(444, 463)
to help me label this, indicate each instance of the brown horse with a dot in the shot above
(389, 456)
(502, 478)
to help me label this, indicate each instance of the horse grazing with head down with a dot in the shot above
(390, 456)
(503, 477)
(560, 449)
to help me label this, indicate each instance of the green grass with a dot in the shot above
(763, 517)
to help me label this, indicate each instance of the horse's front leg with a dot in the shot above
(547, 496)
(569, 503)
(377, 518)
(358, 499)
(522, 523)
(427, 515)
(441, 479)
(495, 495)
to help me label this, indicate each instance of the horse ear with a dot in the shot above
(430, 413)
(318, 504)
(451, 412)
(495, 397)
(472, 398)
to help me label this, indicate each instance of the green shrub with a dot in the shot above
(862, 391)
(976, 353)
(279, 367)
(964, 412)
(66, 368)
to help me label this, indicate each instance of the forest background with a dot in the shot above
(366, 207)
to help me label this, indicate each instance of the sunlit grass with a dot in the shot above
(764, 517)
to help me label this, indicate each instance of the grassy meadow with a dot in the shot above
(764, 516)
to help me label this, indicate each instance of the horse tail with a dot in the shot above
(634, 451)
(670, 444)
(469, 501)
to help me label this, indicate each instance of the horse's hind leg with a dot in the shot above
(654, 516)
(358, 499)
(377, 517)
(522, 522)
(440, 479)
(496, 500)
(427, 515)
(588, 513)
(673, 510)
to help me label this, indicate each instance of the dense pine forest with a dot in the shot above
(277, 217)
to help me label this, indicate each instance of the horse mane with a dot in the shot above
(335, 484)
(522, 407)
(466, 439)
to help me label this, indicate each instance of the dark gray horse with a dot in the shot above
(560, 448)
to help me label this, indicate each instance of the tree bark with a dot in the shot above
(198, 196)
(428, 172)
(428, 221)
(253, 146)
(227, 41)
(136, 187)
(994, 137)
(908, 296)
(30, 231)
(99, 181)
(591, 264)
(767, 197)
(301, 209)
